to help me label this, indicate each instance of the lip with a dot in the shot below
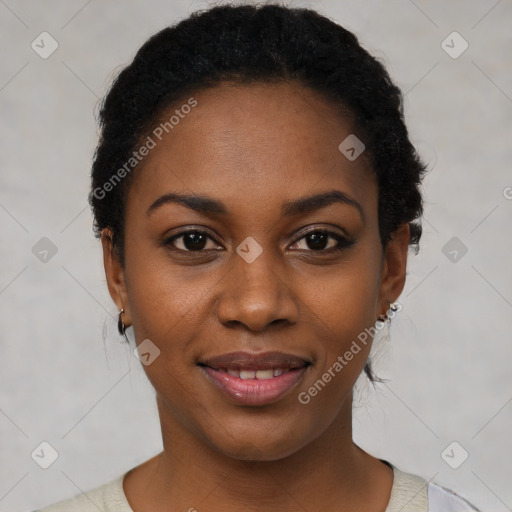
(253, 391)
(255, 361)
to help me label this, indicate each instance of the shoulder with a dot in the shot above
(107, 498)
(440, 499)
(411, 493)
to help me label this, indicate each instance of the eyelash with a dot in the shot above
(342, 242)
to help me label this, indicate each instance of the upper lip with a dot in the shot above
(255, 361)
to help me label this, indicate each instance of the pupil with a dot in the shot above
(318, 241)
(196, 241)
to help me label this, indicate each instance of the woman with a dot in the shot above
(256, 195)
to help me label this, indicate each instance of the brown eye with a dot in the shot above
(191, 241)
(318, 240)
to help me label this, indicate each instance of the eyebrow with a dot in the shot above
(302, 205)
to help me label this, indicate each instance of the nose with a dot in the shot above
(256, 295)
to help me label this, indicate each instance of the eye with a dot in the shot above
(318, 240)
(192, 240)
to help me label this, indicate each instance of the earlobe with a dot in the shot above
(114, 273)
(394, 267)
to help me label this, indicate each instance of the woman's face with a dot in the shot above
(259, 277)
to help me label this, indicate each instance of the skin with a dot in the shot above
(255, 147)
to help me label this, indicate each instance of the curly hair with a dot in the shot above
(258, 44)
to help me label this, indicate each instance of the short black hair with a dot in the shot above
(258, 44)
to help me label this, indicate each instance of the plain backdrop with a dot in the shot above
(67, 378)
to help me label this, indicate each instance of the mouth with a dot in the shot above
(254, 379)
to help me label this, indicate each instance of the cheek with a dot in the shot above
(168, 309)
(342, 309)
(160, 310)
(166, 301)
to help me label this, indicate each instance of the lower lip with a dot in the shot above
(254, 391)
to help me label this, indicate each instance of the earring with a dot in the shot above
(120, 326)
(393, 306)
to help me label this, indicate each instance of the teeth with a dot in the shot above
(254, 374)
(264, 374)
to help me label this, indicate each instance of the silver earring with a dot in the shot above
(393, 306)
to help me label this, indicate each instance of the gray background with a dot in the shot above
(67, 378)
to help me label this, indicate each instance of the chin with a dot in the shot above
(264, 445)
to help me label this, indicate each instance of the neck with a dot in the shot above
(191, 474)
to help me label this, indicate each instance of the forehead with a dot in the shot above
(252, 143)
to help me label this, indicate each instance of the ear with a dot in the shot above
(394, 268)
(114, 273)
